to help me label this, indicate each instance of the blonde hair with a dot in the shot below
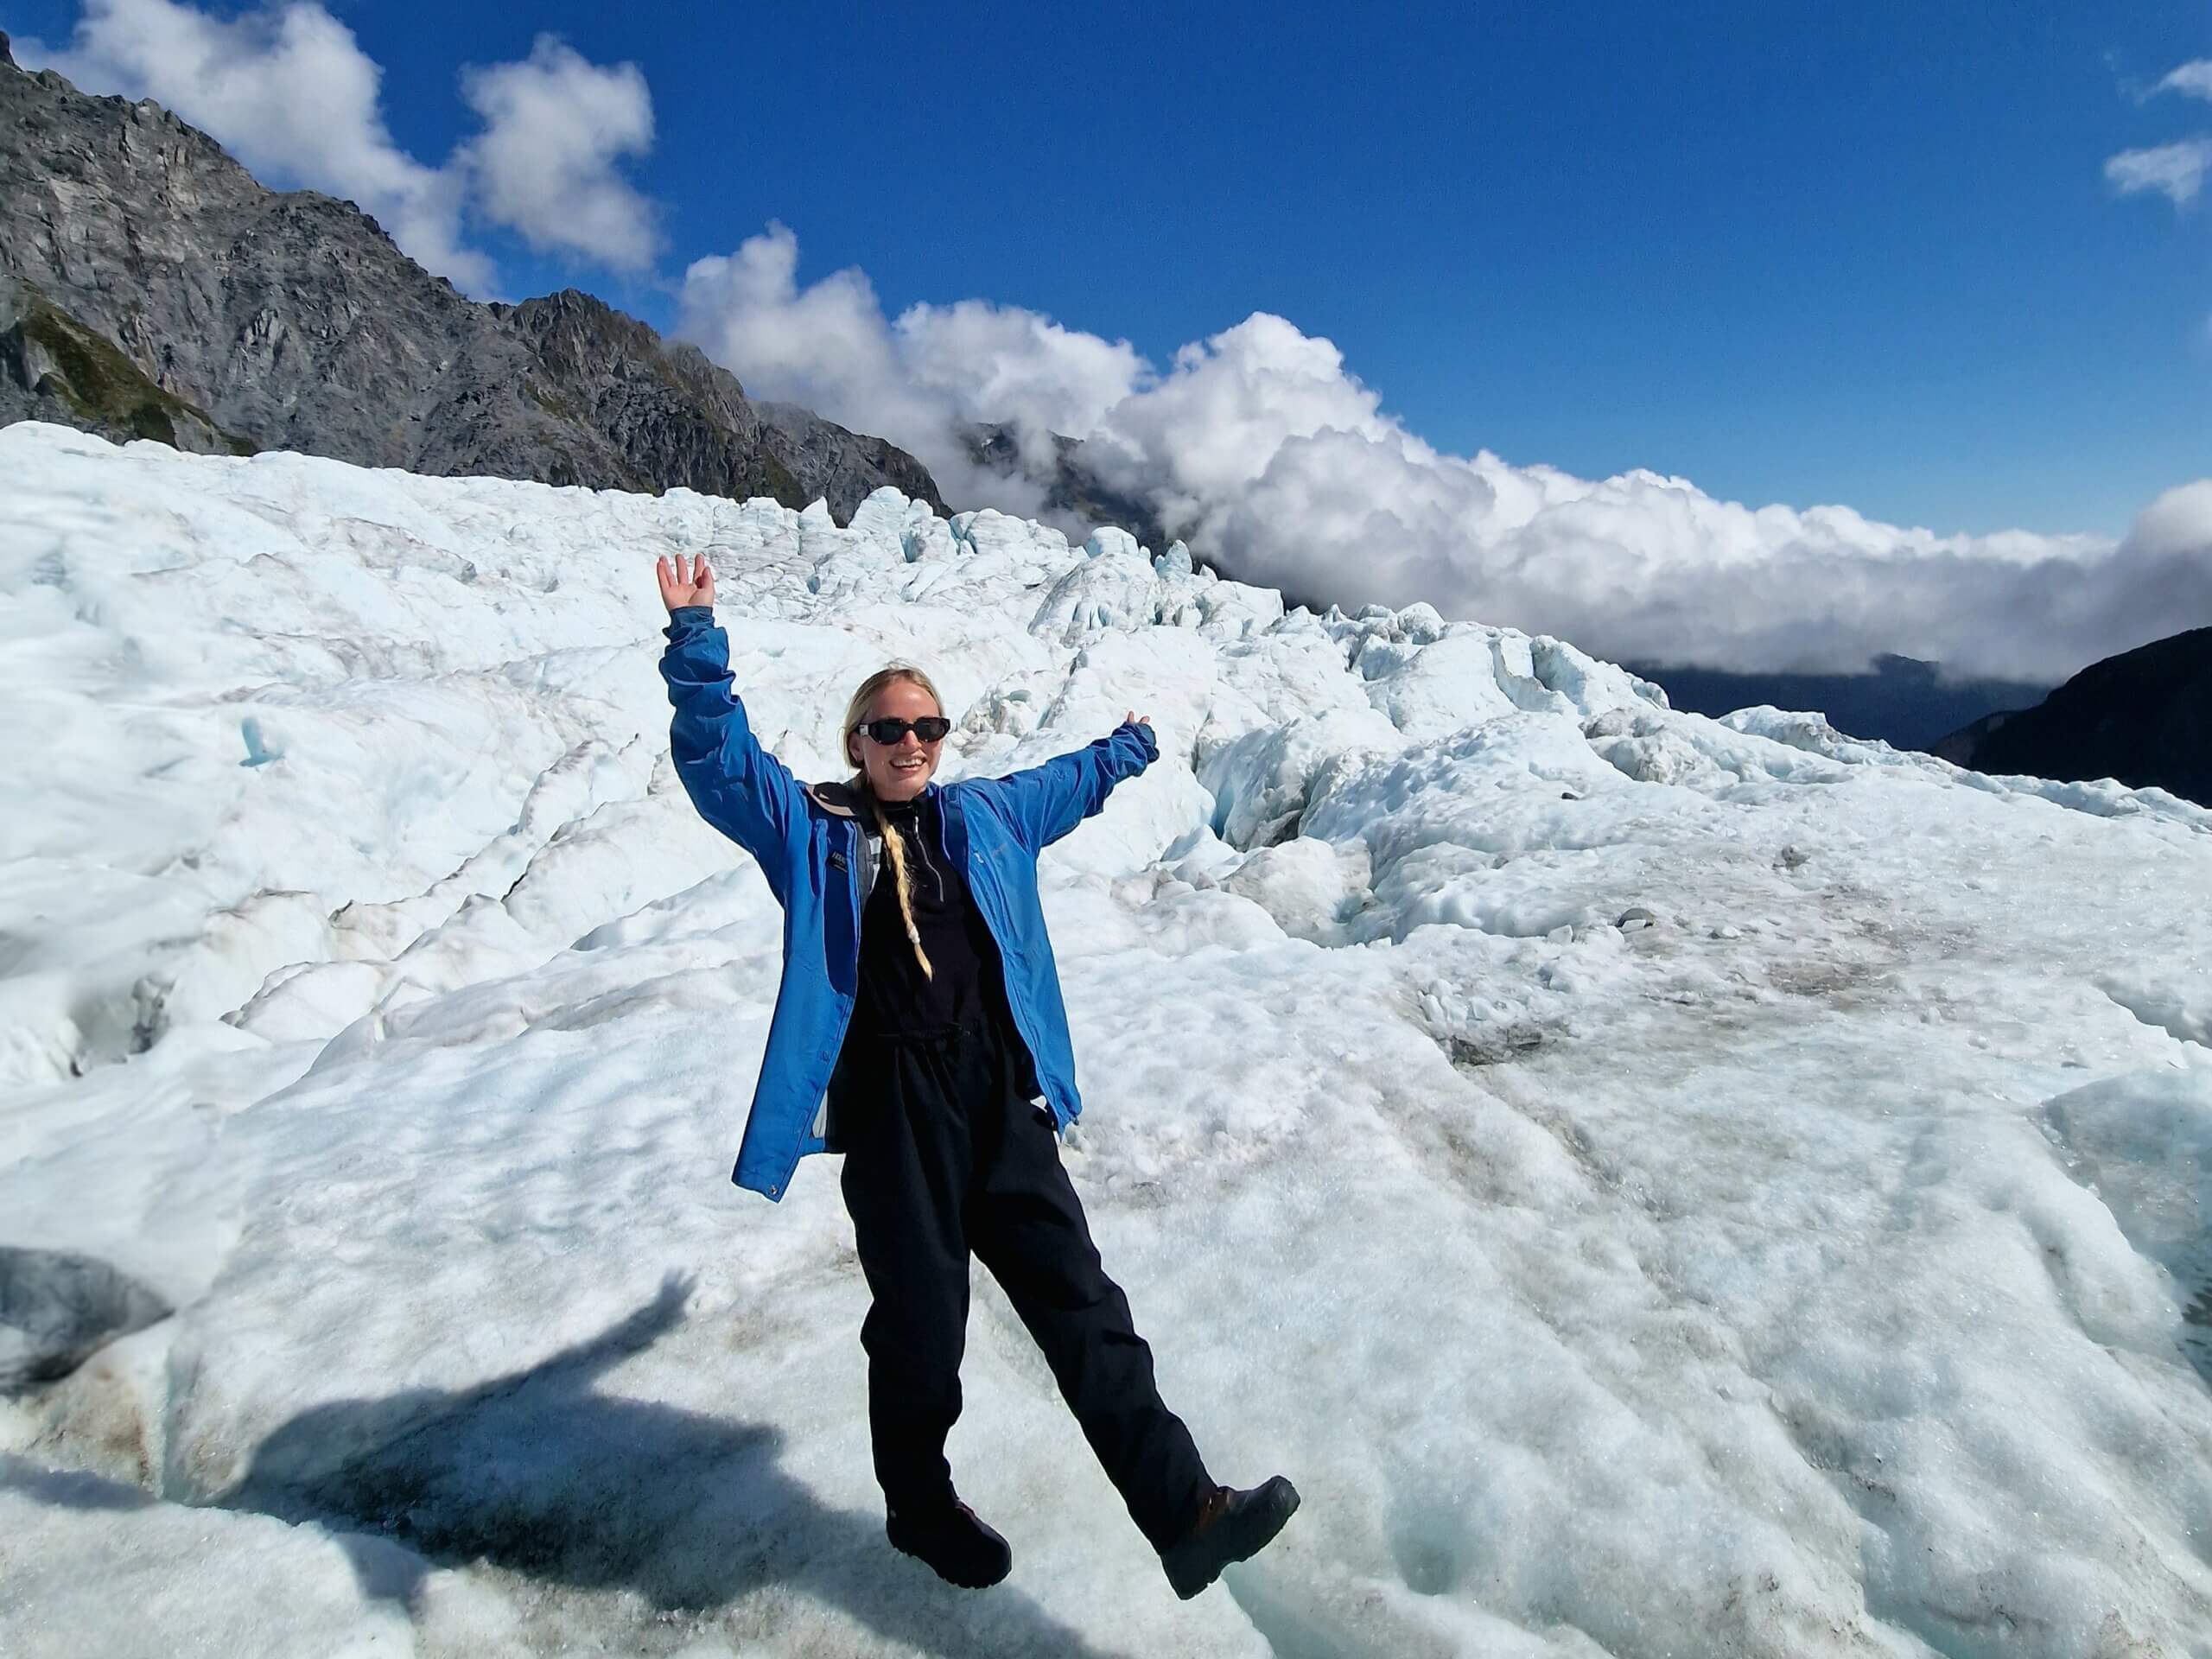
(894, 845)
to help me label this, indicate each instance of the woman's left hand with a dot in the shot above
(1133, 718)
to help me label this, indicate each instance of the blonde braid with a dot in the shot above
(894, 846)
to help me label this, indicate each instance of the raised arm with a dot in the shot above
(738, 786)
(1044, 802)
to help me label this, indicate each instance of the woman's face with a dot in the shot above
(899, 772)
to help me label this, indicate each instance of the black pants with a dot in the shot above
(944, 1156)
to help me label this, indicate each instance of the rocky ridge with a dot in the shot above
(1072, 486)
(150, 287)
(2144, 717)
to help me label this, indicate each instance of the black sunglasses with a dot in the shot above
(931, 729)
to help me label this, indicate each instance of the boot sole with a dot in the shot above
(1241, 1536)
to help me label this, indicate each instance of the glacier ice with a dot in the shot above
(1659, 1185)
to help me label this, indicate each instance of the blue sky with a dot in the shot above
(1861, 254)
(1332, 294)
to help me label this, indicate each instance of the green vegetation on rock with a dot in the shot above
(105, 387)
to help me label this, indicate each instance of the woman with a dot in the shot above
(916, 1028)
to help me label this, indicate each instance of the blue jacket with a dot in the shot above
(819, 864)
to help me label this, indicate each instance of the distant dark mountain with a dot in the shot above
(1071, 486)
(814, 447)
(1904, 702)
(2144, 717)
(149, 286)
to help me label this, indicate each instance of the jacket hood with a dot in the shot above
(836, 795)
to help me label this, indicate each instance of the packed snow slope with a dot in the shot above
(1660, 1185)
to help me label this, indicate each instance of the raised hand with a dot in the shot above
(1133, 718)
(679, 588)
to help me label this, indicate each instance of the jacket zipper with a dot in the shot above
(852, 886)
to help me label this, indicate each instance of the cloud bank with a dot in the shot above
(1263, 449)
(291, 93)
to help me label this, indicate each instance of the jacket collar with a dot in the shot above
(837, 796)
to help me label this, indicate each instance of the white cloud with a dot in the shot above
(828, 348)
(291, 93)
(554, 125)
(1227, 406)
(1260, 446)
(916, 381)
(2176, 171)
(2191, 80)
(1000, 363)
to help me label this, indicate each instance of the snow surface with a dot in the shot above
(1659, 1185)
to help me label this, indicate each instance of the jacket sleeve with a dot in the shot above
(1044, 803)
(738, 786)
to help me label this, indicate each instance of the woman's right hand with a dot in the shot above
(678, 589)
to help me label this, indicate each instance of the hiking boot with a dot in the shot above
(954, 1542)
(1231, 1527)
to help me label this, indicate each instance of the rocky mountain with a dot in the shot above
(150, 287)
(1905, 702)
(2144, 717)
(1071, 485)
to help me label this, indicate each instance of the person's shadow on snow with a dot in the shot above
(537, 1472)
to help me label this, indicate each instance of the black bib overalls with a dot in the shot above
(947, 1154)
